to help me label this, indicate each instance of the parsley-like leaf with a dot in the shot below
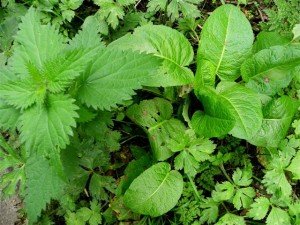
(259, 208)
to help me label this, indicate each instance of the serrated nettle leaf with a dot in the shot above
(9, 116)
(245, 106)
(278, 216)
(243, 197)
(217, 119)
(115, 72)
(271, 69)
(155, 191)
(294, 167)
(226, 41)
(223, 192)
(162, 130)
(231, 219)
(266, 40)
(36, 43)
(160, 40)
(53, 121)
(22, 94)
(278, 115)
(44, 181)
(259, 208)
(205, 75)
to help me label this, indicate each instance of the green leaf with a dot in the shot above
(294, 166)
(242, 177)
(223, 192)
(36, 43)
(278, 115)
(22, 94)
(259, 208)
(152, 39)
(245, 106)
(117, 72)
(210, 211)
(243, 197)
(155, 116)
(110, 11)
(296, 31)
(12, 178)
(53, 121)
(155, 191)
(278, 216)
(44, 182)
(9, 116)
(99, 184)
(271, 69)
(266, 40)
(226, 41)
(231, 219)
(217, 119)
(205, 75)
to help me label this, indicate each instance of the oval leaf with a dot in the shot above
(226, 41)
(155, 191)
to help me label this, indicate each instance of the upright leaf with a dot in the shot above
(245, 106)
(115, 72)
(46, 127)
(226, 41)
(36, 43)
(271, 69)
(164, 43)
(217, 119)
(277, 117)
(155, 191)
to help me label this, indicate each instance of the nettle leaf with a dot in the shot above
(160, 40)
(223, 192)
(266, 40)
(217, 119)
(53, 121)
(243, 197)
(259, 208)
(294, 166)
(226, 41)
(115, 72)
(271, 69)
(155, 191)
(36, 43)
(278, 115)
(9, 116)
(155, 116)
(22, 94)
(43, 182)
(278, 216)
(231, 219)
(245, 106)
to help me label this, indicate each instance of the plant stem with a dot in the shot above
(194, 188)
(225, 173)
(222, 1)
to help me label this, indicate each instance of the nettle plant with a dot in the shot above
(53, 90)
